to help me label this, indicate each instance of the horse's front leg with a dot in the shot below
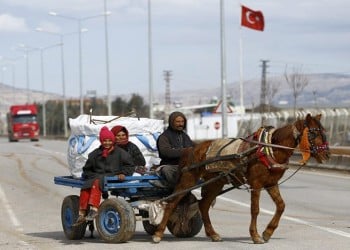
(209, 193)
(274, 192)
(254, 212)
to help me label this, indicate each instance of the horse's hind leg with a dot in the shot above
(187, 181)
(274, 192)
(254, 211)
(209, 193)
(158, 234)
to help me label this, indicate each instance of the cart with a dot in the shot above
(124, 203)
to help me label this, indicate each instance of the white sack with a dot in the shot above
(85, 131)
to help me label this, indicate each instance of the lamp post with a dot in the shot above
(150, 76)
(43, 89)
(60, 35)
(79, 20)
(26, 50)
(12, 62)
(109, 105)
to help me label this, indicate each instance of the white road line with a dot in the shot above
(330, 230)
(9, 210)
(49, 151)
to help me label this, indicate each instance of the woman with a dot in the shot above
(122, 140)
(106, 160)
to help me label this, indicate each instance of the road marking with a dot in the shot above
(330, 230)
(9, 210)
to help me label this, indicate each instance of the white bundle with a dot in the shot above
(84, 139)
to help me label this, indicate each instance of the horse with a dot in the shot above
(257, 161)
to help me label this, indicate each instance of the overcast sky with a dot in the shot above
(314, 34)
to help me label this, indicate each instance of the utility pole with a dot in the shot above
(263, 93)
(167, 74)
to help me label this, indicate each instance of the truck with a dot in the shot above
(22, 122)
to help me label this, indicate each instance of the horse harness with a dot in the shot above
(264, 151)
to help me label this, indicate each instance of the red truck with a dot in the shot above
(22, 123)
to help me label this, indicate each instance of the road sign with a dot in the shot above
(217, 125)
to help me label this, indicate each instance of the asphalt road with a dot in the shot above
(317, 214)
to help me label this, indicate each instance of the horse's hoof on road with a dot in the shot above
(266, 236)
(216, 238)
(258, 240)
(156, 239)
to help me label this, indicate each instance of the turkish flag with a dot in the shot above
(252, 19)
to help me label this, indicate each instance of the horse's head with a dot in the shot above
(313, 140)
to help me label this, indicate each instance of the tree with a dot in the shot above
(297, 81)
(136, 104)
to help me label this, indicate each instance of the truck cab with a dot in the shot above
(22, 123)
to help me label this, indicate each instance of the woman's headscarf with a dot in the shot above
(116, 129)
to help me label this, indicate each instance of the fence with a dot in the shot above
(335, 121)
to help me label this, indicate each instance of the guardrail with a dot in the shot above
(340, 159)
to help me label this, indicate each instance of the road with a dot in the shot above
(317, 214)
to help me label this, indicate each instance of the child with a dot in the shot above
(106, 160)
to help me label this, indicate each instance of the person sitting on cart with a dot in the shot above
(106, 160)
(171, 144)
(122, 140)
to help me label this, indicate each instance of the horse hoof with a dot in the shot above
(258, 241)
(216, 238)
(156, 239)
(266, 236)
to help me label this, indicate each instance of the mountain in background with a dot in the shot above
(323, 90)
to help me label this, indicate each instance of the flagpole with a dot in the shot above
(240, 60)
(241, 67)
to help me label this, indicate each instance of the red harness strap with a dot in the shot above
(264, 153)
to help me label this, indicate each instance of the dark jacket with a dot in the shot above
(117, 162)
(135, 153)
(171, 142)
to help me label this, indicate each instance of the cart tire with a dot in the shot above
(69, 215)
(115, 222)
(179, 224)
(149, 228)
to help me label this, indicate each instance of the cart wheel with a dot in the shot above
(185, 221)
(69, 215)
(115, 221)
(149, 228)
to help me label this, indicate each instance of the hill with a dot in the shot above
(323, 90)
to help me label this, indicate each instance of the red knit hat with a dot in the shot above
(105, 133)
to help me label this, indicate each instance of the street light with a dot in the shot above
(150, 76)
(41, 50)
(79, 20)
(43, 88)
(26, 50)
(12, 62)
(109, 105)
(62, 73)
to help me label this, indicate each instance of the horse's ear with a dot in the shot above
(318, 117)
(308, 118)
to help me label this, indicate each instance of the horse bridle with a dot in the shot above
(312, 135)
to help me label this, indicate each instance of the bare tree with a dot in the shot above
(297, 81)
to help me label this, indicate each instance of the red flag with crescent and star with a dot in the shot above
(252, 19)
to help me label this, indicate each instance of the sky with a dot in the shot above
(186, 40)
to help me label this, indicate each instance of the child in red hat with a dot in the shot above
(106, 160)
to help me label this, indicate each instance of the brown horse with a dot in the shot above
(259, 160)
